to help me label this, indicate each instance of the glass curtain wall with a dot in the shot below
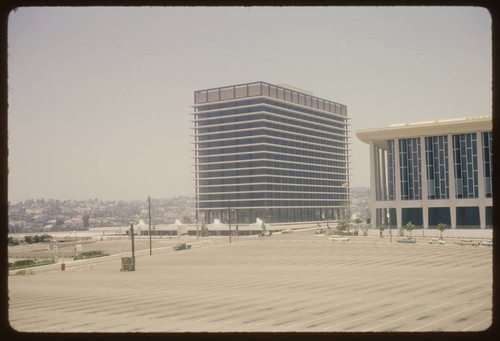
(436, 153)
(465, 164)
(410, 168)
(270, 152)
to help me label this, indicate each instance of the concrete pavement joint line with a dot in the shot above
(121, 302)
(342, 312)
(447, 317)
(468, 286)
(284, 322)
(288, 313)
(475, 324)
(327, 318)
(276, 310)
(490, 290)
(201, 318)
(413, 292)
(378, 312)
(418, 312)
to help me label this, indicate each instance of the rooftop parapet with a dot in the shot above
(427, 128)
(258, 89)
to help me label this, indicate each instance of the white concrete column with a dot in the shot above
(480, 181)
(377, 171)
(482, 215)
(425, 194)
(373, 197)
(451, 176)
(397, 176)
(383, 165)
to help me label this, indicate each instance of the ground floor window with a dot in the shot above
(413, 214)
(489, 217)
(273, 215)
(468, 217)
(439, 215)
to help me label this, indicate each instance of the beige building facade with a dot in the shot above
(432, 172)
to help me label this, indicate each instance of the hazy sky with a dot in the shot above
(99, 98)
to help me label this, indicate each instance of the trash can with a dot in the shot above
(127, 264)
(63, 266)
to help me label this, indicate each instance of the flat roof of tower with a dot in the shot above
(427, 128)
(283, 92)
(291, 87)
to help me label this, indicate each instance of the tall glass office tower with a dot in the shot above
(268, 151)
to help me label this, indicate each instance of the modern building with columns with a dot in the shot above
(432, 172)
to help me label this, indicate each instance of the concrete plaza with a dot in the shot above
(291, 282)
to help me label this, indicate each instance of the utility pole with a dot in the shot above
(236, 216)
(150, 243)
(133, 248)
(120, 240)
(196, 218)
(229, 218)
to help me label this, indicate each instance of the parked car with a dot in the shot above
(336, 238)
(320, 231)
(436, 241)
(468, 242)
(487, 243)
(407, 241)
(182, 246)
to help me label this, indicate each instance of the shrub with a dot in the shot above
(25, 263)
(13, 241)
(90, 254)
(46, 238)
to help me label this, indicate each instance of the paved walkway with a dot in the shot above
(292, 282)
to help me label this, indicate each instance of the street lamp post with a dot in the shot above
(133, 247)
(149, 232)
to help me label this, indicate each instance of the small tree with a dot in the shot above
(46, 238)
(342, 225)
(410, 227)
(441, 227)
(204, 230)
(60, 221)
(86, 220)
(13, 241)
(381, 228)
